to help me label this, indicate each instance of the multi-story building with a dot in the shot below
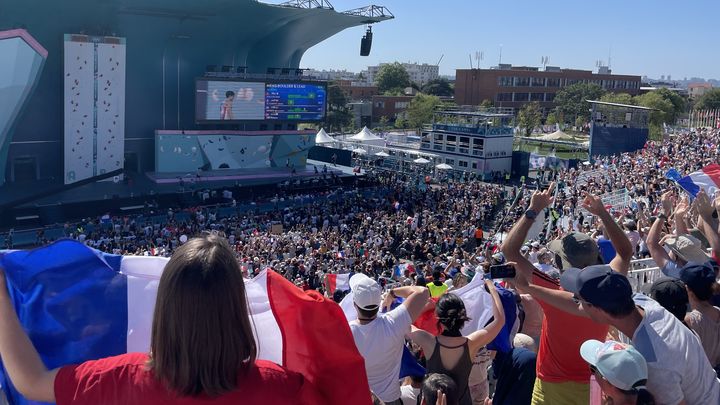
(697, 90)
(514, 86)
(419, 73)
(471, 141)
(330, 75)
(390, 107)
(357, 91)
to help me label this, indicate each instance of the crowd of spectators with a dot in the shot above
(580, 331)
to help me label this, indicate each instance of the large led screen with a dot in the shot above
(218, 101)
(223, 100)
(294, 102)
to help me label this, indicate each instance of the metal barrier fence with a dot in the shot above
(640, 278)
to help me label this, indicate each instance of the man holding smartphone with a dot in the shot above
(562, 375)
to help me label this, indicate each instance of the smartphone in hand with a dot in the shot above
(502, 271)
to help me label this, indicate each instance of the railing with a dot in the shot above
(639, 279)
(457, 128)
(26, 238)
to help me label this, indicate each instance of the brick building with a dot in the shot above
(358, 91)
(389, 106)
(514, 86)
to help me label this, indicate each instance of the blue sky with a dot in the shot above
(647, 37)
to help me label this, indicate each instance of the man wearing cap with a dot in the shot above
(562, 375)
(380, 337)
(678, 370)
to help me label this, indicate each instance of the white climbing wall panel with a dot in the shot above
(94, 106)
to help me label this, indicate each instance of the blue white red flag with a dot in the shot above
(79, 304)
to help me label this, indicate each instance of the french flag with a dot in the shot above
(79, 304)
(338, 282)
(707, 179)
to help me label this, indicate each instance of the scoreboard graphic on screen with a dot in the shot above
(294, 102)
(228, 101)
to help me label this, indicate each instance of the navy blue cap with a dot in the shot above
(697, 276)
(599, 285)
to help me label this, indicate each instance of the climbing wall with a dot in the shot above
(110, 107)
(177, 152)
(94, 106)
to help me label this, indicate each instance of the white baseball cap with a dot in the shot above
(366, 291)
(620, 364)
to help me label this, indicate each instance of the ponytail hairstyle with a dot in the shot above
(451, 314)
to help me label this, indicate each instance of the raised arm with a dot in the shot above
(516, 237)
(482, 337)
(416, 298)
(657, 252)
(706, 223)
(22, 362)
(681, 217)
(620, 241)
(560, 299)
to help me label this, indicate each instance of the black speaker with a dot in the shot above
(366, 43)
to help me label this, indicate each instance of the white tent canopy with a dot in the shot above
(443, 166)
(382, 154)
(359, 151)
(365, 136)
(323, 137)
(421, 161)
(557, 136)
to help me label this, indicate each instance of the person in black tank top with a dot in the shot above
(451, 353)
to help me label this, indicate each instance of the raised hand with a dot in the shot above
(542, 199)
(682, 209)
(667, 201)
(441, 398)
(593, 204)
(703, 205)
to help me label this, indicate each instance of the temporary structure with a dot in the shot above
(382, 154)
(443, 166)
(359, 151)
(365, 136)
(556, 136)
(421, 161)
(323, 137)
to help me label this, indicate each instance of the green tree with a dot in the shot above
(679, 103)
(486, 104)
(392, 77)
(551, 119)
(663, 111)
(383, 122)
(709, 101)
(421, 109)
(339, 115)
(618, 98)
(571, 101)
(400, 122)
(529, 117)
(438, 87)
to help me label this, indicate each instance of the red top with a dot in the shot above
(125, 379)
(558, 358)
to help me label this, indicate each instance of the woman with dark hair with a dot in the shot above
(451, 353)
(700, 282)
(202, 346)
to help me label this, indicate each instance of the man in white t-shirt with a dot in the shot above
(678, 370)
(380, 337)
